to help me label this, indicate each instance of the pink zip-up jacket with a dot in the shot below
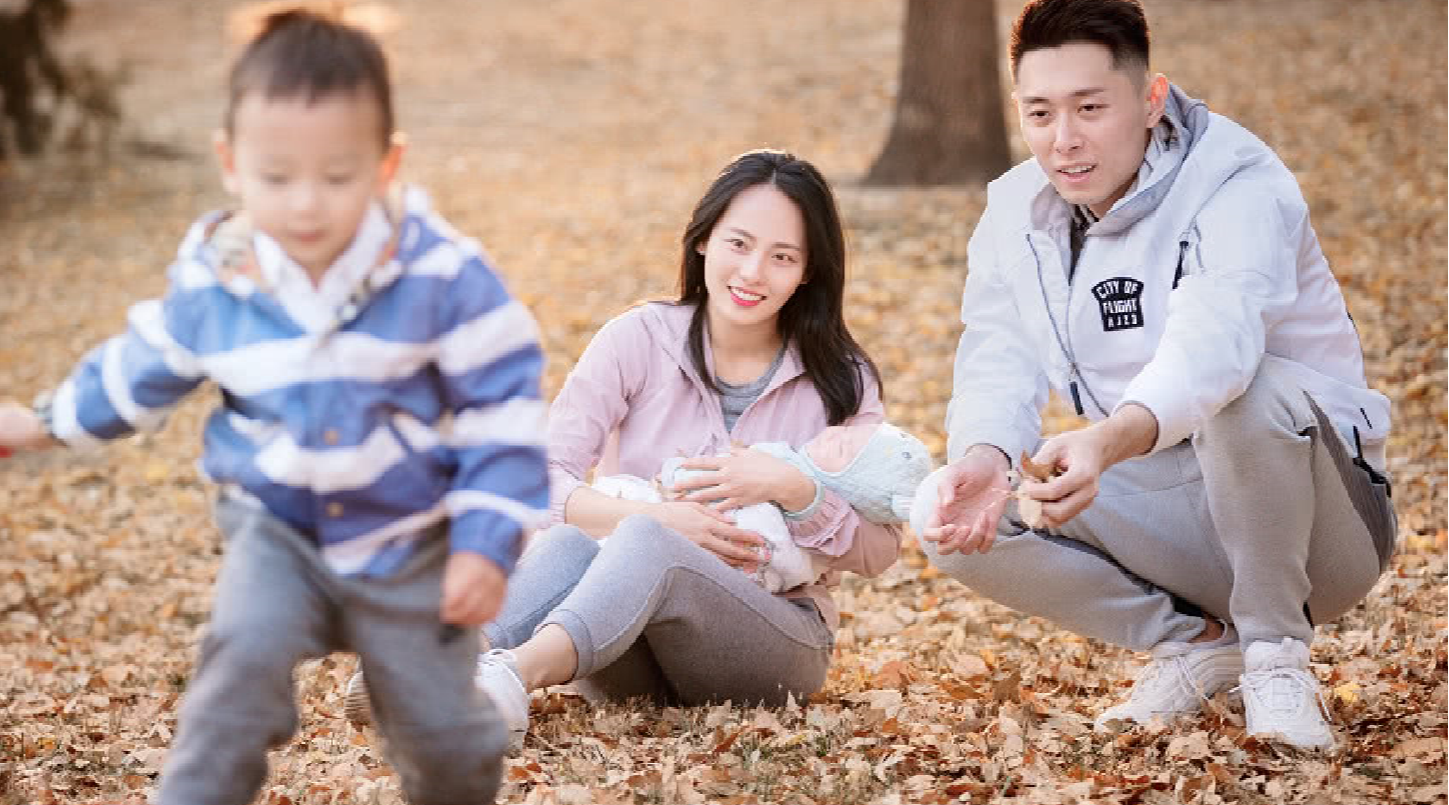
(634, 399)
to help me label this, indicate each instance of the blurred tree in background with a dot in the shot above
(948, 126)
(36, 85)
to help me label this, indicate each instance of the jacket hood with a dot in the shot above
(219, 247)
(668, 324)
(1184, 124)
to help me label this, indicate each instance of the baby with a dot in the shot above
(875, 468)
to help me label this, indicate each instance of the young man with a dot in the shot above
(1154, 263)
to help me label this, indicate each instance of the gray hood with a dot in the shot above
(1184, 122)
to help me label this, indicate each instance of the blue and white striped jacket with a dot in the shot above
(419, 402)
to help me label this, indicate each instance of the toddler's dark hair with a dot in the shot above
(304, 53)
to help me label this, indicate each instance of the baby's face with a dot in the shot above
(837, 446)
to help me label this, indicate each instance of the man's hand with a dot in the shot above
(473, 589)
(1078, 456)
(971, 496)
(1082, 456)
(21, 429)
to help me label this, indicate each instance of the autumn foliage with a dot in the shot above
(572, 137)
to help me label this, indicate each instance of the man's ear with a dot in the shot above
(387, 171)
(1157, 99)
(226, 160)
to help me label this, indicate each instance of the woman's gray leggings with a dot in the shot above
(652, 614)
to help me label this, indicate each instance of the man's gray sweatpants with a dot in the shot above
(1262, 519)
(277, 604)
(652, 614)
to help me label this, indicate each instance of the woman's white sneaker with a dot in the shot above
(1180, 677)
(498, 677)
(1282, 700)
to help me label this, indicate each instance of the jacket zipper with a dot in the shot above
(1064, 343)
(1071, 354)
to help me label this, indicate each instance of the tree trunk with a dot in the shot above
(948, 126)
(30, 73)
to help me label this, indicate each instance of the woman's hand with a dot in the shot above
(711, 530)
(745, 477)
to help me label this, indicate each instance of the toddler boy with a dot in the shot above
(378, 446)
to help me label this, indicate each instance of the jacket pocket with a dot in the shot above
(1367, 488)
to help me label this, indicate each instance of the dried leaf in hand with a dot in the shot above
(1030, 510)
(1037, 472)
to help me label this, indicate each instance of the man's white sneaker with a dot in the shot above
(1282, 700)
(356, 705)
(499, 678)
(1180, 677)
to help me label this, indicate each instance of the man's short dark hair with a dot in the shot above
(1118, 25)
(302, 53)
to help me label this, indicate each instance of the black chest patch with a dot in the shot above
(1120, 300)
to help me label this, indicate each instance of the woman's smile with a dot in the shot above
(744, 298)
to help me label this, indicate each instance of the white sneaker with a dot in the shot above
(1282, 700)
(1179, 679)
(499, 678)
(356, 705)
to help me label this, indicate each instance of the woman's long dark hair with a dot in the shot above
(813, 317)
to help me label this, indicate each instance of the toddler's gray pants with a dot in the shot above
(652, 614)
(277, 604)
(1262, 519)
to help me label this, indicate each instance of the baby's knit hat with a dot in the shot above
(880, 482)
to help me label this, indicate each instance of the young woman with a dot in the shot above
(755, 349)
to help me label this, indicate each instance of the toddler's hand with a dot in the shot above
(473, 589)
(20, 429)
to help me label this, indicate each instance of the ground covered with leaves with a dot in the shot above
(573, 137)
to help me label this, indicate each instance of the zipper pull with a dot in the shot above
(1076, 399)
(1181, 254)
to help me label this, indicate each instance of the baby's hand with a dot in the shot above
(20, 429)
(473, 589)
